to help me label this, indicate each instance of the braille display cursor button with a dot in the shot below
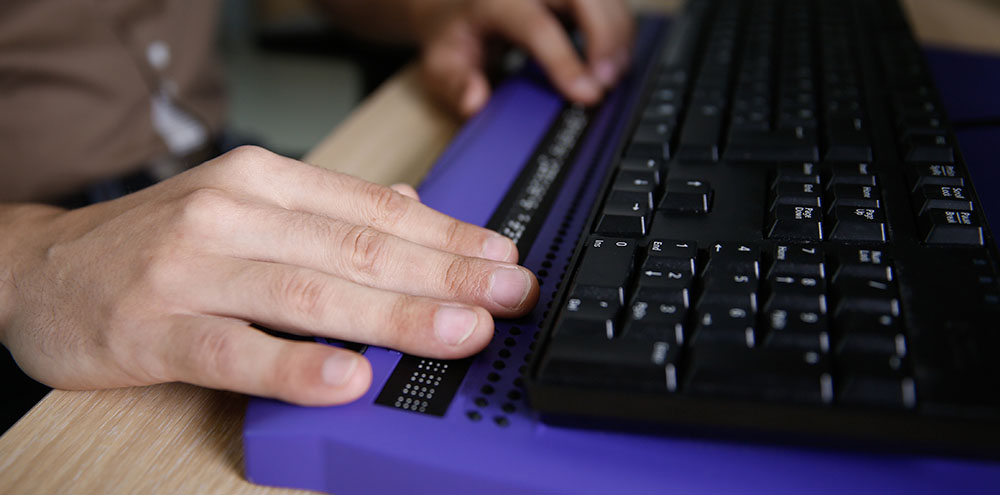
(687, 196)
(791, 222)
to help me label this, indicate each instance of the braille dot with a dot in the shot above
(543, 273)
(504, 353)
(515, 331)
(514, 395)
(499, 365)
(474, 415)
(509, 408)
(527, 357)
(519, 382)
(558, 240)
(546, 264)
(487, 389)
(509, 342)
(493, 377)
(482, 402)
(550, 256)
(531, 346)
(522, 369)
(502, 421)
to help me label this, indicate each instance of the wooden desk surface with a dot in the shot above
(177, 438)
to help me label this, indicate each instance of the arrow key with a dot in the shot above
(665, 273)
(687, 196)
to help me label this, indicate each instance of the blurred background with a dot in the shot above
(293, 77)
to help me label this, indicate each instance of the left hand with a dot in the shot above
(454, 39)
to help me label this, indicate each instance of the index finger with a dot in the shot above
(298, 186)
(607, 28)
(531, 25)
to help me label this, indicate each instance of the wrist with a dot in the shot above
(21, 238)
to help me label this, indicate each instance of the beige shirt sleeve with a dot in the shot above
(76, 87)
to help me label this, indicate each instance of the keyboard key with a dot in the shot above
(866, 296)
(800, 223)
(792, 260)
(673, 255)
(700, 134)
(735, 288)
(727, 258)
(806, 172)
(607, 262)
(866, 271)
(858, 224)
(653, 133)
(857, 196)
(869, 333)
(796, 330)
(876, 381)
(857, 174)
(768, 374)
(943, 198)
(928, 148)
(641, 164)
(797, 293)
(933, 174)
(798, 194)
(665, 272)
(723, 324)
(951, 227)
(657, 314)
(847, 139)
(617, 364)
(687, 196)
(632, 180)
(630, 201)
(625, 224)
(784, 145)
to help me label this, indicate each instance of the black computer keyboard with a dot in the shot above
(789, 243)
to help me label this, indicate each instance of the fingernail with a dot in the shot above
(606, 71)
(497, 248)
(585, 87)
(509, 287)
(473, 99)
(338, 368)
(454, 324)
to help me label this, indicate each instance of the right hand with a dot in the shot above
(160, 285)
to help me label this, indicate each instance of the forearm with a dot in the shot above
(20, 233)
(396, 21)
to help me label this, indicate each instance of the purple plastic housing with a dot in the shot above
(493, 442)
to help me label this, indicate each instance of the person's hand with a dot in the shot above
(455, 37)
(160, 285)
